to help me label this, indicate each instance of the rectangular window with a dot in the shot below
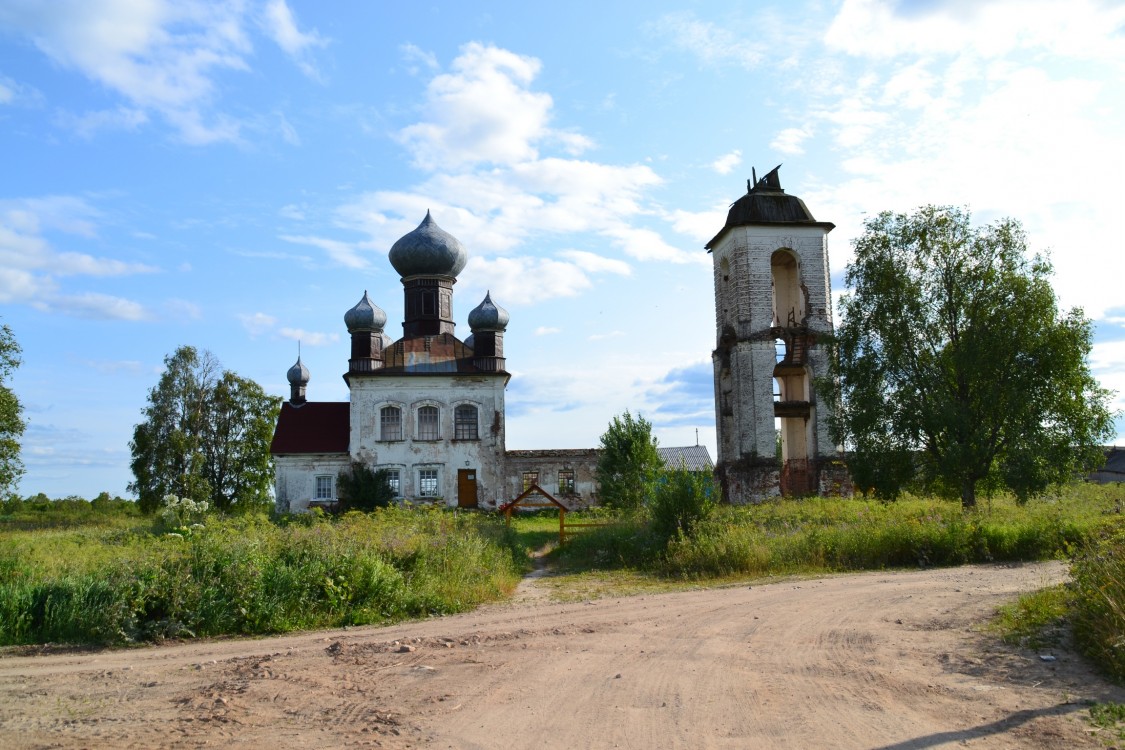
(324, 488)
(465, 422)
(530, 478)
(427, 482)
(566, 481)
(390, 423)
(394, 481)
(428, 423)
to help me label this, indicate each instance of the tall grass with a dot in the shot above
(819, 534)
(249, 575)
(1098, 600)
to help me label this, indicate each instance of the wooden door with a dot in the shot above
(467, 488)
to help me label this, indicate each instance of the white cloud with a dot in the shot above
(257, 323)
(162, 56)
(288, 132)
(596, 263)
(311, 338)
(344, 253)
(1080, 28)
(89, 124)
(482, 112)
(789, 141)
(711, 44)
(523, 281)
(416, 56)
(280, 24)
(30, 266)
(699, 225)
(547, 330)
(96, 306)
(1009, 118)
(726, 163)
(292, 212)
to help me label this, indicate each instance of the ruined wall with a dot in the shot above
(745, 356)
(295, 478)
(583, 462)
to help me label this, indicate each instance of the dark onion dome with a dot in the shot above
(365, 316)
(766, 203)
(298, 374)
(470, 341)
(428, 251)
(387, 342)
(488, 316)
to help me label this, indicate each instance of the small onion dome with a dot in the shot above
(298, 374)
(488, 316)
(387, 342)
(428, 251)
(470, 341)
(365, 316)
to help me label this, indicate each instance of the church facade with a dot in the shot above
(773, 310)
(427, 408)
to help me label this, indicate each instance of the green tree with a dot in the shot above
(205, 436)
(11, 415)
(954, 366)
(627, 462)
(362, 488)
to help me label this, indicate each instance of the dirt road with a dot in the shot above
(877, 660)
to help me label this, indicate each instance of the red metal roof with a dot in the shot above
(313, 427)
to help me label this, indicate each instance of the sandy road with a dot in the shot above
(876, 660)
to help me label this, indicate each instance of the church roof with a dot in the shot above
(690, 457)
(428, 251)
(765, 203)
(313, 427)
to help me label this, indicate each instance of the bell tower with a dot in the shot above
(773, 306)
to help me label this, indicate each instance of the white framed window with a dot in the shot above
(325, 487)
(428, 483)
(465, 422)
(394, 481)
(429, 423)
(390, 423)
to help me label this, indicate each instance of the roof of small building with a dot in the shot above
(765, 203)
(1114, 460)
(690, 457)
(312, 427)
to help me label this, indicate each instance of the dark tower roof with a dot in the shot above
(765, 203)
(428, 251)
(365, 316)
(488, 316)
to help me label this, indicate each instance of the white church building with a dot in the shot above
(428, 408)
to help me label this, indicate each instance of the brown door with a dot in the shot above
(467, 488)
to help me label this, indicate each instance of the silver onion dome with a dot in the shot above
(488, 316)
(428, 251)
(365, 316)
(298, 374)
(470, 341)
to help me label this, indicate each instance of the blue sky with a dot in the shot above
(232, 175)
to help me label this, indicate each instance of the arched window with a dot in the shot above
(390, 423)
(429, 425)
(465, 422)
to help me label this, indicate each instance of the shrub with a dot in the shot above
(680, 500)
(362, 488)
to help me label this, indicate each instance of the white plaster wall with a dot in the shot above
(295, 478)
(445, 391)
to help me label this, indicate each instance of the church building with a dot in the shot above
(428, 408)
(773, 308)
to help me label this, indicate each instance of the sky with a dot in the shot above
(231, 176)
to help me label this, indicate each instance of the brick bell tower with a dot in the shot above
(773, 304)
